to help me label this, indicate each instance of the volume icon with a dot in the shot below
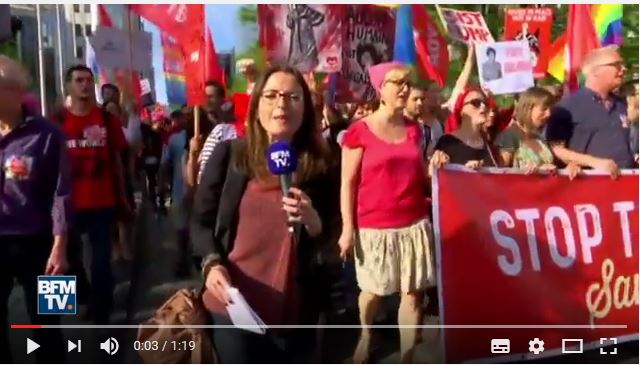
(110, 346)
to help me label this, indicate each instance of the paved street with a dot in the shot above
(156, 281)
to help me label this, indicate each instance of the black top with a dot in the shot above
(460, 153)
(587, 125)
(152, 142)
(510, 138)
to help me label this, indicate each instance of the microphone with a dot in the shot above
(282, 161)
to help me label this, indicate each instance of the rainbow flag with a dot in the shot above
(173, 67)
(607, 21)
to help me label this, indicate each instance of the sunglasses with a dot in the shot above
(476, 103)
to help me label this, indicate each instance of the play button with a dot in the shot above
(31, 346)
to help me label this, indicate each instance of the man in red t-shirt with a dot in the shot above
(95, 141)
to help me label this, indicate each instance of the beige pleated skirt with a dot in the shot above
(395, 260)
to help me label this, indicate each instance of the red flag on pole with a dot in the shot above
(581, 39)
(184, 22)
(432, 55)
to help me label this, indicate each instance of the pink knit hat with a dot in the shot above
(379, 71)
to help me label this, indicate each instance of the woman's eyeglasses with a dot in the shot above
(271, 96)
(476, 103)
(399, 83)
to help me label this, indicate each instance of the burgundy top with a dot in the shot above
(262, 263)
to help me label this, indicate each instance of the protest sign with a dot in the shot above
(505, 67)
(546, 258)
(115, 48)
(465, 26)
(307, 37)
(368, 39)
(534, 26)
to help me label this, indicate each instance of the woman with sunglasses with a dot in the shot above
(383, 211)
(466, 145)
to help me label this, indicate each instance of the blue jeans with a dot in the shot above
(98, 226)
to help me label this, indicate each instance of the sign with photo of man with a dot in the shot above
(505, 67)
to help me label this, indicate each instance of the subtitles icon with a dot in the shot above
(572, 346)
(500, 346)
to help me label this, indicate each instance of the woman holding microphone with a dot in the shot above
(241, 219)
(384, 215)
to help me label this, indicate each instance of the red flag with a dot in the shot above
(581, 39)
(212, 70)
(201, 65)
(104, 18)
(432, 55)
(184, 22)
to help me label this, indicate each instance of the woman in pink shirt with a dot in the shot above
(384, 214)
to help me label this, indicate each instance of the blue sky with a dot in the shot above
(227, 35)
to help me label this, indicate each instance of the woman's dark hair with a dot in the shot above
(491, 50)
(371, 50)
(307, 142)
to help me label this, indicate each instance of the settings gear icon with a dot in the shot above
(536, 346)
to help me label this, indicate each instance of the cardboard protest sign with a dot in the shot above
(465, 26)
(368, 39)
(115, 48)
(534, 26)
(505, 67)
(307, 37)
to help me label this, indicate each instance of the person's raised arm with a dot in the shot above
(463, 78)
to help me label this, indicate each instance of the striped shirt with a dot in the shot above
(221, 132)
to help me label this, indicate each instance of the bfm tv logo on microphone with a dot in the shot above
(281, 158)
(57, 294)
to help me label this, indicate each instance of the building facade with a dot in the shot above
(75, 26)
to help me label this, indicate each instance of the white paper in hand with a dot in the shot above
(241, 314)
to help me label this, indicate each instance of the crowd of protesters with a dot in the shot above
(361, 191)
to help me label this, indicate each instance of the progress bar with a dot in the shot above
(348, 326)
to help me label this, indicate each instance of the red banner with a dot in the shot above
(557, 256)
(307, 37)
(368, 39)
(534, 26)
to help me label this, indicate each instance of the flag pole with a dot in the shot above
(61, 64)
(43, 95)
(74, 40)
(131, 76)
